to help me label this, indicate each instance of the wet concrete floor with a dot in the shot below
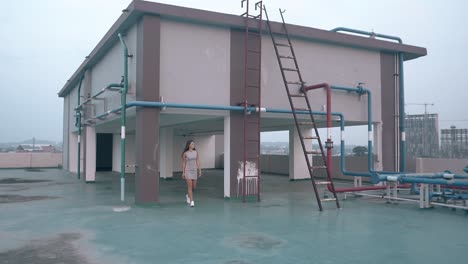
(49, 216)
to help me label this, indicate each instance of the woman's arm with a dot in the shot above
(198, 165)
(184, 162)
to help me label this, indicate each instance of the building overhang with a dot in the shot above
(138, 8)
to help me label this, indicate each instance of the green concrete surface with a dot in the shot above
(49, 216)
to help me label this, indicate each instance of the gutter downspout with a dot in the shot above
(401, 88)
(79, 128)
(123, 119)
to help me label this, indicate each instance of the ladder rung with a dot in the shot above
(297, 95)
(323, 182)
(255, 140)
(253, 86)
(313, 152)
(318, 167)
(250, 176)
(254, 51)
(282, 44)
(294, 83)
(310, 137)
(252, 122)
(278, 33)
(328, 199)
(286, 57)
(289, 69)
(301, 109)
(254, 69)
(305, 123)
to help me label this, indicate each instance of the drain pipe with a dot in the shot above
(78, 122)
(401, 90)
(123, 119)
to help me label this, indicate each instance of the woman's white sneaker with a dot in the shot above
(187, 198)
(192, 204)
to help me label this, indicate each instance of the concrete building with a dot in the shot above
(188, 57)
(454, 143)
(423, 135)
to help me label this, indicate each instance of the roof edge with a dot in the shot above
(138, 8)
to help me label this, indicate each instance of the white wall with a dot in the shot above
(27, 160)
(73, 153)
(110, 70)
(205, 146)
(428, 165)
(66, 131)
(319, 63)
(195, 63)
(129, 153)
(219, 150)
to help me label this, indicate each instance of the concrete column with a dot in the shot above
(90, 155)
(166, 150)
(73, 153)
(378, 146)
(297, 163)
(147, 119)
(227, 156)
(66, 133)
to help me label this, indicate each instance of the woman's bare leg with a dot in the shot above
(194, 185)
(189, 189)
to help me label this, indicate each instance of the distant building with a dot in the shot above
(36, 148)
(422, 135)
(454, 142)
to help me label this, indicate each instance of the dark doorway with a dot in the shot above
(104, 152)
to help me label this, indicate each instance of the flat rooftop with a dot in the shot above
(48, 216)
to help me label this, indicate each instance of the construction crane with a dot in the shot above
(425, 105)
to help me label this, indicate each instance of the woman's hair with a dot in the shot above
(187, 146)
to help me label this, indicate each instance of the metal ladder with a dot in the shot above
(301, 95)
(252, 98)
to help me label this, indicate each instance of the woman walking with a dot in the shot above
(191, 169)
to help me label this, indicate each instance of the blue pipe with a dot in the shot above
(436, 178)
(432, 181)
(360, 90)
(374, 176)
(402, 114)
(401, 89)
(268, 110)
(345, 29)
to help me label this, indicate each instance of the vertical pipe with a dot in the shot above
(402, 115)
(79, 128)
(246, 48)
(123, 120)
(259, 165)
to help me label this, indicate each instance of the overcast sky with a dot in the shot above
(44, 42)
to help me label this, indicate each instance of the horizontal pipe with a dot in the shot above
(112, 85)
(432, 181)
(451, 206)
(210, 107)
(388, 197)
(367, 33)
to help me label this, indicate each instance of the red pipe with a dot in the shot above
(327, 87)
